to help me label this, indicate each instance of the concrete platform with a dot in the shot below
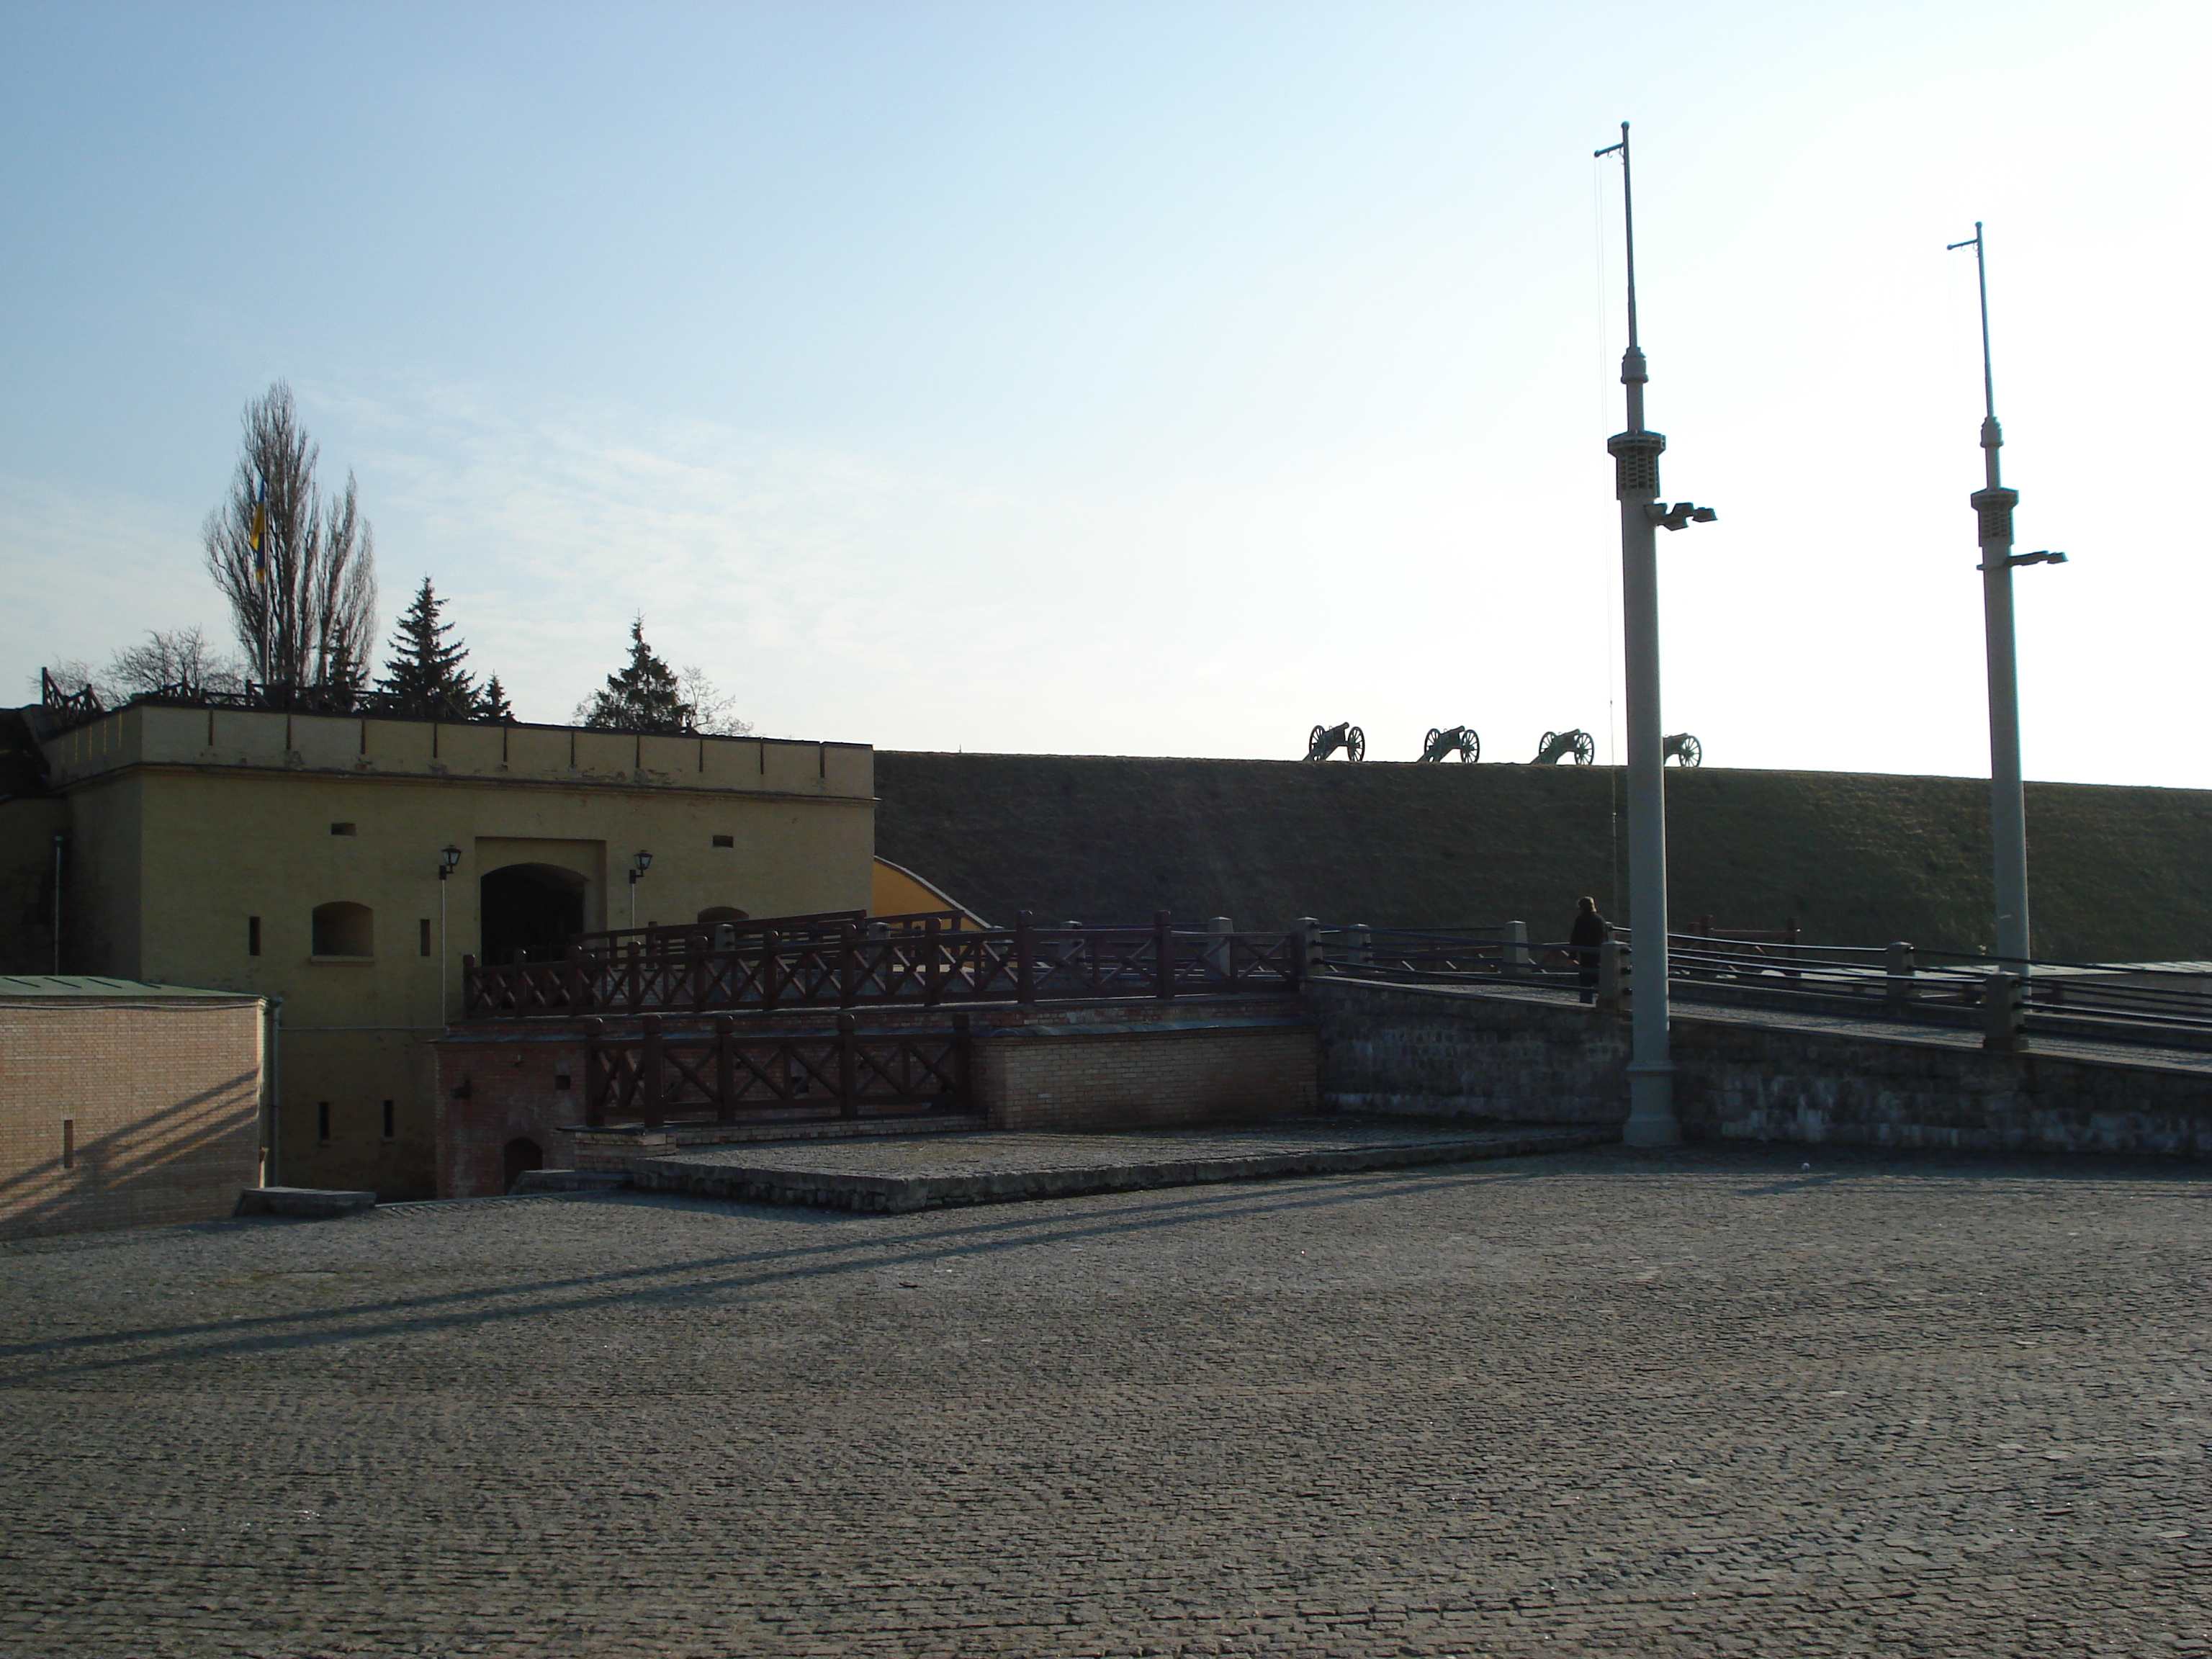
(304, 1203)
(927, 1172)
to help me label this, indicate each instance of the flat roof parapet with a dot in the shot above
(152, 734)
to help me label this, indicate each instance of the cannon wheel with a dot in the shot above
(1470, 745)
(1693, 752)
(1313, 742)
(1429, 744)
(1544, 748)
(1356, 746)
(1585, 751)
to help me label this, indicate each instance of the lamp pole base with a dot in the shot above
(1651, 1120)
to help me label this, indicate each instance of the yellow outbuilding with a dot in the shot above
(341, 867)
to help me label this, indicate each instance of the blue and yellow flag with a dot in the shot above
(260, 531)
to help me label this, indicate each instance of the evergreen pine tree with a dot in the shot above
(492, 703)
(425, 674)
(645, 697)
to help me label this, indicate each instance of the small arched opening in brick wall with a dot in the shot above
(523, 1155)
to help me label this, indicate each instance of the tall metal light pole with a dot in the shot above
(1651, 1120)
(1993, 504)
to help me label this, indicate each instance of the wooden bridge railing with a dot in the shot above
(873, 964)
(657, 1077)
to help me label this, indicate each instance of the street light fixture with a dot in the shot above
(449, 860)
(1993, 504)
(1651, 1120)
(638, 866)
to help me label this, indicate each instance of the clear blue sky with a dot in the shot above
(1142, 378)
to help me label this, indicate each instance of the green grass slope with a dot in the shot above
(2118, 872)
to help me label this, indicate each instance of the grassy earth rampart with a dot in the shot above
(2118, 872)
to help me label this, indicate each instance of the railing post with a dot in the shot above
(1220, 948)
(1356, 939)
(849, 1088)
(964, 1085)
(933, 967)
(1312, 955)
(472, 981)
(770, 989)
(2004, 1013)
(1024, 960)
(1615, 978)
(695, 951)
(1163, 955)
(595, 1074)
(1899, 990)
(849, 965)
(653, 1104)
(726, 1069)
(1516, 950)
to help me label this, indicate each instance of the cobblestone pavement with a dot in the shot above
(1713, 1403)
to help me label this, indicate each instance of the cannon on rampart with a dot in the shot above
(1558, 745)
(1459, 740)
(1327, 739)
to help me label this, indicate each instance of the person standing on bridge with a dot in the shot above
(1590, 931)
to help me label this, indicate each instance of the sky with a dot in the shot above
(1140, 379)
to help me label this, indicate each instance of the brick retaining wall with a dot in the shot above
(163, 1103)
(1132, 1078)
(1108, 1065)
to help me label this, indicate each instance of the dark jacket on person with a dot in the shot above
(1590, 931)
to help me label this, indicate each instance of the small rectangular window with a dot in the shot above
(726, 841)
(322, 1120)
(387, 1120)
(253, 936)
(426, 936)
(69, 1143)
(343, 830)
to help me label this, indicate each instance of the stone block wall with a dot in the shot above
(123, 1113)
(1438, 1052)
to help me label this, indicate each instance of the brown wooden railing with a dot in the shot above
(859, 966)
(658, 1077)
(665, 938)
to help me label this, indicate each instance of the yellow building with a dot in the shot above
(298, 857)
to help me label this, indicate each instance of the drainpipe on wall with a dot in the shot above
(61, 840)
(270, 1086)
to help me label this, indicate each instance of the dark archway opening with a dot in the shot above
(523, 1155)
(532, 908)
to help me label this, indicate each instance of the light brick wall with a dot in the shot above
(165, 1099)
(1128, 1079)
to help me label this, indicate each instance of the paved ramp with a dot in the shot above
(898, 1175)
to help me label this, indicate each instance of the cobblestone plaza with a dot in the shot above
(1722, 1402)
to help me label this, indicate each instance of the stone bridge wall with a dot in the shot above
(1449, 1052)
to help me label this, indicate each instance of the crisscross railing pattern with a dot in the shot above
(924, 960)
(660, 1076)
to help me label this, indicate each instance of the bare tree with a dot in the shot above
(305, 603)
(181, 659)
(711, 707)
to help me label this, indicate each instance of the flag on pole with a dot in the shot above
(260, 535)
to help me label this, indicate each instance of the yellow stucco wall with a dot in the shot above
(900, 893)
(186, 823)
